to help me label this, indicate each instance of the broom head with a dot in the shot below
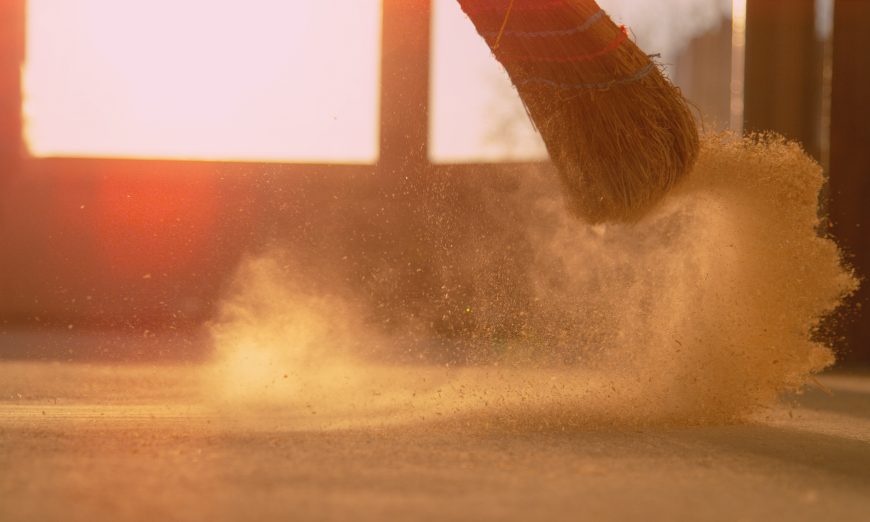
(619, 133)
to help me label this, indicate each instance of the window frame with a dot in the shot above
(404, 91)
(43, 199)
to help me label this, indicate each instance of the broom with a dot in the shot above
(619, 133)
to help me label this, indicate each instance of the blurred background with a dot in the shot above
(147, 147)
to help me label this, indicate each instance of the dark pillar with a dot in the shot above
(405, 84)
(783, 71)
(11, 57)
(850, 156)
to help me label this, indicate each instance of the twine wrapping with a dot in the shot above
(475, 8)
(612, 46)
(599, 86)
(585, 26)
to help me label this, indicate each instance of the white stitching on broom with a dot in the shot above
(600, 86)
(585, 26)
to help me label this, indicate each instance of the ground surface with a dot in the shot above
(87, 442)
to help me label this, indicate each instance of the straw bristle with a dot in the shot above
(618, 131)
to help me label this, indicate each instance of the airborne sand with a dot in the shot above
(645, 383)
(705, 311)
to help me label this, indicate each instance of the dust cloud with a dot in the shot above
(667, 26)
(705, 311)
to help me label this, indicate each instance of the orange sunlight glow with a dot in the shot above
(260, 80)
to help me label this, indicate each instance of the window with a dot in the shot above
(258, 80)
(476, 115)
